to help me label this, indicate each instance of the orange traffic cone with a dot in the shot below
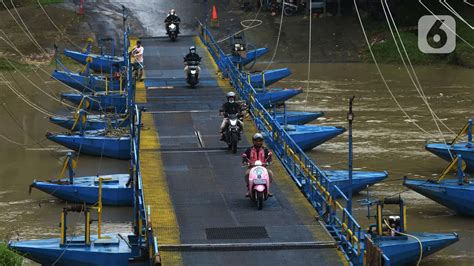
(214, 19)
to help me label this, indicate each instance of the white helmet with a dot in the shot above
(230, 94)
(172, 12)
(257, 136)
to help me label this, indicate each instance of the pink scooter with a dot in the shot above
(259, 184)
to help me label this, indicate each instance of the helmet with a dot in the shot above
(230, 94)
(257, 136)
(172, 12)
(192, 49)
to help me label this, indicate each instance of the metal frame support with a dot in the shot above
(87, 223)
(63, 227)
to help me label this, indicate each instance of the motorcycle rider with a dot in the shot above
(257, 152)
(172, 18)
(192, 56)
(230, 107)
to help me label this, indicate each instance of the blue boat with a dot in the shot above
(94, 143)
(308, 137)
(93, 122)
(100, 101)
(465, 149)
(269, 77)
(360, 179)
(252, 55)
(297, 118)
(100, 63)
(270, 97)
(85, 189)
(88, 84)
(111, 249)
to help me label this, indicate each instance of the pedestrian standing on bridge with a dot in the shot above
(137, 53)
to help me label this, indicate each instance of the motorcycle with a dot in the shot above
(259, 184)
(232, 134)
(173, 31)
(192, 75)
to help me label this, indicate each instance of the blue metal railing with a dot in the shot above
(312, 181)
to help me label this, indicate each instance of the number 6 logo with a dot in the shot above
(436, 34)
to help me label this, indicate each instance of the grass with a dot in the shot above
(8, 257)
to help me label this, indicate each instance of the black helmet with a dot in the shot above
(257, 136)
(192, 49)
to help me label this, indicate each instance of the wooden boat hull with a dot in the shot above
(269, 76)
(113, 250)
(273, 96)
(93, 122)
(308, 137)
(114, 103)
(94, 144)
(459, 198)
(442, 150)
(251, 56)
(100, 63)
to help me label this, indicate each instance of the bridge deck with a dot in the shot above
(195, 187)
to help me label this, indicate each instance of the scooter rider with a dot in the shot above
(230, 107)
(192, 56)
(172, 18)
(256, 153)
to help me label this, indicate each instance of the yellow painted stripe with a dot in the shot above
(155, 186)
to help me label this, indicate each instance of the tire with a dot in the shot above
(234, 147)
(260, 200)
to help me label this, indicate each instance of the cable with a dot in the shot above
(57, 28)
(309, 56)
(381, 74)
(412, 236)
(278, 39)
(412, 73)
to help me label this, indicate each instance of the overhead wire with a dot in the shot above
(410, 120)
(411, 72)
(309, 56)
(278, 38)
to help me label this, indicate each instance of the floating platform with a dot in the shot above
(100, 101)
(85, 189)
(310, 136)
(297, 118)
(93, 122)
(450, 193)
(113, 249)
(100, 63)
(252, 55)
(273, 96)
(360, 179)
(87, 84)
(94, 143)
(269, 76)
(463, 148)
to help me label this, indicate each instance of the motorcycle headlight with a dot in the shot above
(193, 71)
(233, 122)
(172, 26)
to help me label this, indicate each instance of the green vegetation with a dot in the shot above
(8, 257)
(406, 15)
(49, 2)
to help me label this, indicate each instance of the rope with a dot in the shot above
(278, 39)
(32, 39)
(411, 72)
(309, 56)
(24, 98)
(382, 76)
(55, 26)
(412, 236)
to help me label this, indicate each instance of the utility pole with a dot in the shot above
(350, 118)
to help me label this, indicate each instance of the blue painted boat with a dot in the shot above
(94, 143)
(465, 149)
(85, 189)
(88, 84)
(360, 179)
(270, 77)
(269, 97)
(402, 250)
(297, 118)
(251, 56)
(308, 137)
(93, 122)
(100, 63)
(111, 249)
(458, 196)
(100, 101)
